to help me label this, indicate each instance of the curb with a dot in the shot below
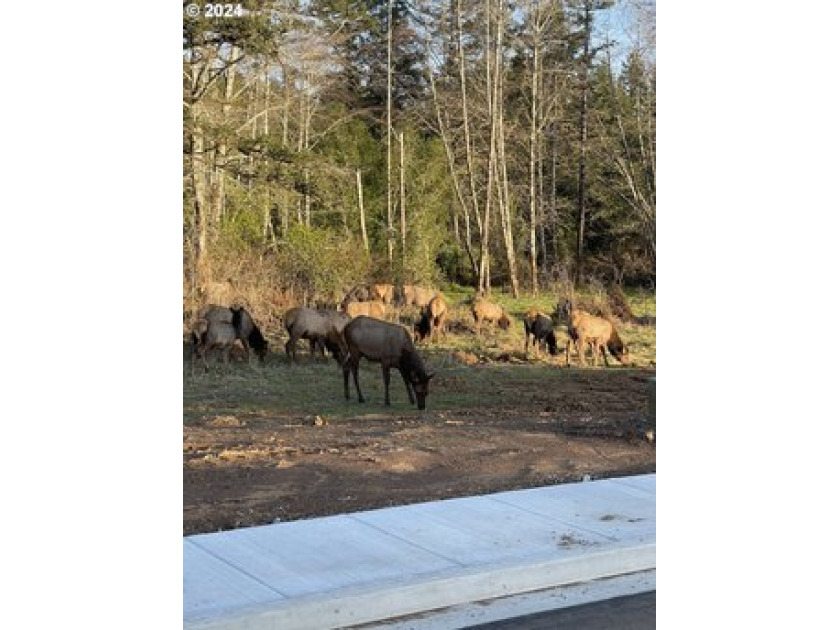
(355, 606)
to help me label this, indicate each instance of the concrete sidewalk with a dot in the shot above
(365, 567)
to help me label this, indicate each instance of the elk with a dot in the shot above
(485, 311)
(382, 292)
(432, 320)
(389, 345)
(370, 308)
(212, 335)
(539, 330)
(322, 328)
(247, 331)
(596, 332)
(411, 295)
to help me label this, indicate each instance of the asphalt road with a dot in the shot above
(633, 612)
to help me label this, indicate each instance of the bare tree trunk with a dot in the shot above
(362, 210)
(307, 199)
(267, 229)
(450, 161)
(466, 121)
(287, 100)
(484, 264)
(267, 101)
(583, 141)
(202, 207)
(553, 193)
(532, 198)
(217, 176)
(199, 77)
(388, 129)
(284, 200)
(504, 192)
(402, 195)
(541, 205)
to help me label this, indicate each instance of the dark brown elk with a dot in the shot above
(539, 329)
(530, 318)
(247, 331)
(485, 311)
(214, 335)
(389, 345)
(197, 332)
(322, 328)
(586, 330)
(432, 320)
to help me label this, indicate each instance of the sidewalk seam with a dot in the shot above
(238, 569)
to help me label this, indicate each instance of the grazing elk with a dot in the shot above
(485, 311)
(596, 332)
(247, 331)
(213, 335)
(322, 328)
(432, 320)
(389, 345)
(539, 330)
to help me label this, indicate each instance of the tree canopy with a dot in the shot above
(522, 144)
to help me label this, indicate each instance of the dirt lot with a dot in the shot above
(272, 444)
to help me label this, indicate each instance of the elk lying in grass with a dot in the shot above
(369, 308)
(365, 292)
(485, 311)
(596, 332)
(322, 328)
(539, 330)
(247, 331)
(411, 295)
(389, 345)
(432, 320)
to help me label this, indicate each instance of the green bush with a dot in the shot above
(321, 263)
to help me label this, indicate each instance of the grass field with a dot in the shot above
(278, 441)
(471, 372)
(510, 344)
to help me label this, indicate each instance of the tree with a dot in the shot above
(583, 17)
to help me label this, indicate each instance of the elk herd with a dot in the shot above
(365, 325)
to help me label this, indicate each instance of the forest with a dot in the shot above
(482, 143)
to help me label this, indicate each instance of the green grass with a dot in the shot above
(316, 387)
(495, 342)
(642, 303)
(297, 393)
(304, 389)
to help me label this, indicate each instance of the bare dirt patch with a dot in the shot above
(489, 428)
